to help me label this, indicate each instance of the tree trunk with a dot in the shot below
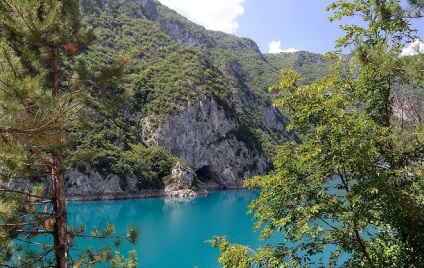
(363, 248)
(60, 232)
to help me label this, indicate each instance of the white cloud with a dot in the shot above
(275, 47)
(219, 15)
(414, 48)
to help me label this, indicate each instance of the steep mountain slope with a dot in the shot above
(199, 95)
(310, 65)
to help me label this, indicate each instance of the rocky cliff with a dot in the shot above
(205, 138)
(199, 94)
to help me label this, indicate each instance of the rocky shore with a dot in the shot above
(141, 194)
(203, 188)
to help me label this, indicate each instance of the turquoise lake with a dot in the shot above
(174, 230)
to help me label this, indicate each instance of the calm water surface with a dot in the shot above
(174, 231)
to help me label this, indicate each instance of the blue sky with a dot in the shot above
(298, 24)
(275, 25)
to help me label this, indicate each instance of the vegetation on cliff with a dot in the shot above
(311, 66)
(173, 63)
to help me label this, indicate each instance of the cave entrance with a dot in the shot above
(204, 173)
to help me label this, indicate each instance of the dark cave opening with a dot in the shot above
(204, 173)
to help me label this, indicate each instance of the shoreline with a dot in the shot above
(139, 195)
(201, 191)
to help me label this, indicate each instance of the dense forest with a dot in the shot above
(113, 98)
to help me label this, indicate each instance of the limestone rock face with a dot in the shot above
(179, 32)
(182, 176)
(181, 193)
(91, 182)
(19, 185)
(203, 136)
(271, 117)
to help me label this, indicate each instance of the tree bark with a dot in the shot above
(363, 249)
(60, 232)
(60, 228)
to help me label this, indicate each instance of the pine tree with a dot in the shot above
(40, 103)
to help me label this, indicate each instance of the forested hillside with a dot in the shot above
(310, 65)
(211, 88)
(169, 104)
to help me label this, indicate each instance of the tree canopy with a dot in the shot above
(41, 93)
(353, 187)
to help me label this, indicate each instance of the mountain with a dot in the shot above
(192, 110)
(310, 65)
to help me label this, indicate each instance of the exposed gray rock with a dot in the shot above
(203, 136)
(90, 182)
(408, 109)
(131, 183)
(181, 193)
(249, 42)
(178, 31)
(182, 177)
(149, 8)
(271, 116)
(20, 185)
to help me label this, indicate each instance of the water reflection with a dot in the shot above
(95, 213)
(174, 230)
(173, 203)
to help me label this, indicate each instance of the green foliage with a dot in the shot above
(168, 86)
(355, 183)
(236, 256)
(311, 66)
(233, 255)
(119, 261)
(111, 147)
(164, 75)
(152, 166)
(42, 89)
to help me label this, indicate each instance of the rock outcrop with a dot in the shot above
(182, 177)
(204, 137)
(91, 182)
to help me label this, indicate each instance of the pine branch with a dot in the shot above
(30, 264)
(47, 163)
(10, 64)
(101, 237)
(24, 193)
(33, 243)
